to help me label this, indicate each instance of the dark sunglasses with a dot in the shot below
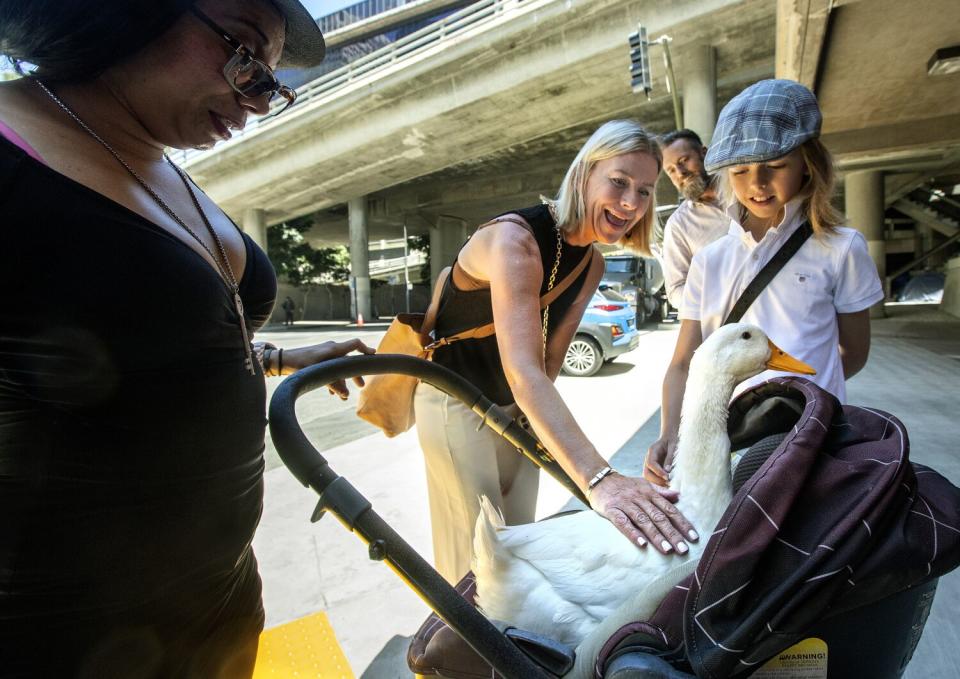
(246, 74)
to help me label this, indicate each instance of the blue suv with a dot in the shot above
(608, 329)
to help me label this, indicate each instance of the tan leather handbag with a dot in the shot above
(387, 400)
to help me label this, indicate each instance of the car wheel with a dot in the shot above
(665, 311)
(660, 312)
(641, 313)
(583, 357)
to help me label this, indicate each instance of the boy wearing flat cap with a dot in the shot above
(775, 178)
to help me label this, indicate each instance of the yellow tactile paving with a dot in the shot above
(304, 648)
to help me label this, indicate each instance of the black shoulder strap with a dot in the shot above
(767, 273)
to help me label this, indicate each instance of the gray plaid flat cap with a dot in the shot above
(765, 121)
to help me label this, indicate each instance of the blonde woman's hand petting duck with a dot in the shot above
(562, 577)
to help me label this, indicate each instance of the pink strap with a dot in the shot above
(7, 133)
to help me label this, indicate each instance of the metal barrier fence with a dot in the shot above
(357, 12)
(332, 302)
(471, 17)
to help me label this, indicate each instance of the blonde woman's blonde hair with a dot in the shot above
(613, 138)
(817, 189)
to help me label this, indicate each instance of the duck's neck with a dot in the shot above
(702, 466)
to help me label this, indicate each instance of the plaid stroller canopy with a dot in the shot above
(836, 518)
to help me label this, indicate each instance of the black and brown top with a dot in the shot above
(478, 360)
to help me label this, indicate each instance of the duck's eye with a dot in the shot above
(745, 335)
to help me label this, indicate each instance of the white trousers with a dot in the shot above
(462, 464)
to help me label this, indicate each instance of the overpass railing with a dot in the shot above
(469, 17)
(357, 12)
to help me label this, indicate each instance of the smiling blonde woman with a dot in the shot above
(499, 275)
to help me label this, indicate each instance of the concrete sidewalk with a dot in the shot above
(913, 372)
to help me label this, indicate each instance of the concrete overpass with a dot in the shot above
(891, 120)
(347, 26)
(502, 90)
(484, 110)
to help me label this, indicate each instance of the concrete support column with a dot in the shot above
(951, 288)
(864, 207)
(923, 240)
(436, 254)
(445, 241)
(359, 258)
(700, 90)
(255, 226)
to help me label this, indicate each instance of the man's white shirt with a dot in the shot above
(798, 309)
(691, 227)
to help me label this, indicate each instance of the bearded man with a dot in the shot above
(699, 220)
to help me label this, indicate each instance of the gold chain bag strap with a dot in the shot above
(553, 278)
(387, 400)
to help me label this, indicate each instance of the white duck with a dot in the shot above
(563, 576)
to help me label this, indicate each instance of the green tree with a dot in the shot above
(299, 263)
(421, 243)
(302, 265)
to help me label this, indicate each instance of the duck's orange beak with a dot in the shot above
(781, 360)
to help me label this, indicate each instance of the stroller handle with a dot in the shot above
(339, 497)
(311, 469)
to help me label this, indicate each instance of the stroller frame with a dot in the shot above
(344, 501)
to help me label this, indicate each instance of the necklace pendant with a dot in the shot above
(248, 361)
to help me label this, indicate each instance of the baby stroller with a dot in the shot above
(760, 601)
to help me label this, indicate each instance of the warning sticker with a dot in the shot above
(804, 660)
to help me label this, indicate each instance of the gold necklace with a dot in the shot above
(550, 282)
(222, 261)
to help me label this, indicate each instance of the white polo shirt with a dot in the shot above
(798, 308)
(690, 228)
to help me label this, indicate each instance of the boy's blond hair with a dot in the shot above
(817, 189)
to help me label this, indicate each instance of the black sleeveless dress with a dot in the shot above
(479, 360)
(131, 435)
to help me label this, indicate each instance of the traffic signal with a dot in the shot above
(640, 79)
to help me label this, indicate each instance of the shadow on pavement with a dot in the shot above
(616, 368)
(391, 661)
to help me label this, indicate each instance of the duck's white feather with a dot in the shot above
(563, 576)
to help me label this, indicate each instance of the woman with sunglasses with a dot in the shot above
(132, 401)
